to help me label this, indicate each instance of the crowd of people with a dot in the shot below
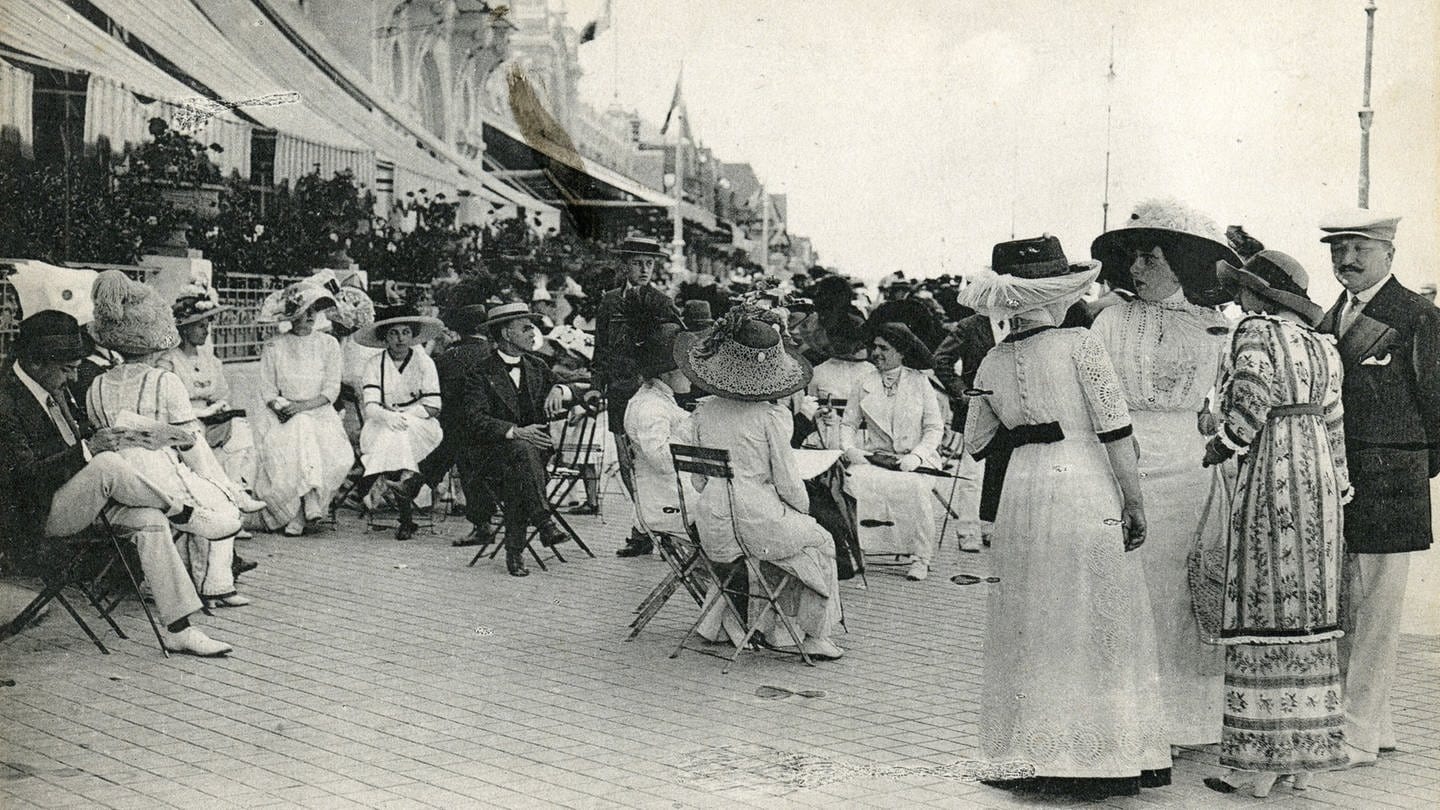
(1104, 427)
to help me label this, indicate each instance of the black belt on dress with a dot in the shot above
(1298, 409)
(1009, 438)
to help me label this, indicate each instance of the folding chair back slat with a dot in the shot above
(706, 461)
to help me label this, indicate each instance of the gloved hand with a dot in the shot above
(809, 406)
(909, 462)
(855, 455)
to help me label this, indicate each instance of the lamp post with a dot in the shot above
(1367, 115)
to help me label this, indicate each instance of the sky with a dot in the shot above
(913, 136)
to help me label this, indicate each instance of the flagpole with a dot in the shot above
(1367, 115)
(677, 239)
(764, 231)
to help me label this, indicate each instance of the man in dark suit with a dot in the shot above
(57, 476)
(613, 367)
(1389, 341)
(508, 403)
(460, 361)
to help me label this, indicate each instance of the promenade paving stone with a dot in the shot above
(377, 674)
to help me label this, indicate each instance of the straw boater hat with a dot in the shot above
(196, 302)
(425, 328)
(1192, 243)
(291, 302)
(741, 358)
(1277, 277)
(641, 246)
(504, 313)
(131, 317)
(1026, 275)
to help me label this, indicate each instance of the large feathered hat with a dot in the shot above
(131, 317)
(1192, 243)
(741, 357)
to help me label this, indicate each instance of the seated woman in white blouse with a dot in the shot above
(899, 412)
(400, 398)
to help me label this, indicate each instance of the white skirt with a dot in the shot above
(384, 450)
(308, 455)
(895, 510)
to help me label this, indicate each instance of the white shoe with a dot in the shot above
(233, 600)
(208, 523)
(919, 570)
(193, 642)
(821, 649)
(248, 504)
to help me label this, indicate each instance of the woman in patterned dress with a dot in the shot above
(1166, 346)
(1281, 414)
(1071, 699)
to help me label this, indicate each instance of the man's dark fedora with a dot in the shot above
(1040, 257)
(50, 336)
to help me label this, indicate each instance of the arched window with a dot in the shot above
(430, 98)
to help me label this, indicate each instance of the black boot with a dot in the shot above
(638, 545)
(515, 563)
(239, 565)
(407, 527)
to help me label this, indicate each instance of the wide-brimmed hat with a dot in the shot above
(656, 353)
(572, 338)
(196, 301)
(131, 317)
(1277, 277)
(642, 246)
(50, 336)
(741, 358)
(697, 315)
(1001, 293)
(913, 352)
(291, 302)
(1192, 243)
(504, 313)
(846, 334)
(373, 335)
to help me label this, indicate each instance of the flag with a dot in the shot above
(677, 105)
(597, 26)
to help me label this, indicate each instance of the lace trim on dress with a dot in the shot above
(1100, 384)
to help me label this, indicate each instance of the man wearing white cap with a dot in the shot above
(1389, 341)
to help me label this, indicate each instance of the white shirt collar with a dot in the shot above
(41, 395)
(510, 359)
(1366, 294)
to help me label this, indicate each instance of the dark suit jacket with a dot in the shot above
(491, 405)
(613, 368)
(34, 459)
(1391, 356)
(463, 358)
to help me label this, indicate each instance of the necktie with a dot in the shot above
(62, 420)
(514, 369)
(1353, 304)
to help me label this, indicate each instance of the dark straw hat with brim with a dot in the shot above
(642, 246)
(1191, 241)
(50, 336)
(373, 335)
(656, 355)
(741, 358)
(1276, 277)
(190, 309)
(697, 315)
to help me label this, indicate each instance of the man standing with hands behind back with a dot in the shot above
(1389, 341)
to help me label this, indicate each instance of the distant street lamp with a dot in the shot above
(1367, 115)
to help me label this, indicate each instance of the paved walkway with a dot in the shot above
(371, 673)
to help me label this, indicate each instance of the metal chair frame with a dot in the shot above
(682, 556)
(714, 463)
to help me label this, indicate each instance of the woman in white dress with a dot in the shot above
(1167, 348)
(899, 413)
(836, 377)
(400, 398)
(133, 320)
(1071, 700)
(304, 453)
(744, 364)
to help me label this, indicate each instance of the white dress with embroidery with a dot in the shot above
(1070, 685)
(1168, 359)
(408, 387)
(304, 460)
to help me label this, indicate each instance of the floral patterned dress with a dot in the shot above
(1281, 411)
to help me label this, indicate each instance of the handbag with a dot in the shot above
(1205, 566)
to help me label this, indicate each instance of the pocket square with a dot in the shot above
(1383, 360)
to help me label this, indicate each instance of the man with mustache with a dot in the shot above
(1389, 340)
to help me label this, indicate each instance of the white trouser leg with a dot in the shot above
(1367, 652)
(170, 584)
(108, 477)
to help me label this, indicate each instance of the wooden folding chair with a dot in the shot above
(682, 556)
(92, 567)
(714, 463)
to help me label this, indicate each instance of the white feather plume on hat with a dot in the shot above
(131, 317)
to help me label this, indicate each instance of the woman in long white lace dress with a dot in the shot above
(1167, 351)
(304, 452)
(1071, 700)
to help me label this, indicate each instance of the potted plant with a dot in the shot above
(181, 168)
